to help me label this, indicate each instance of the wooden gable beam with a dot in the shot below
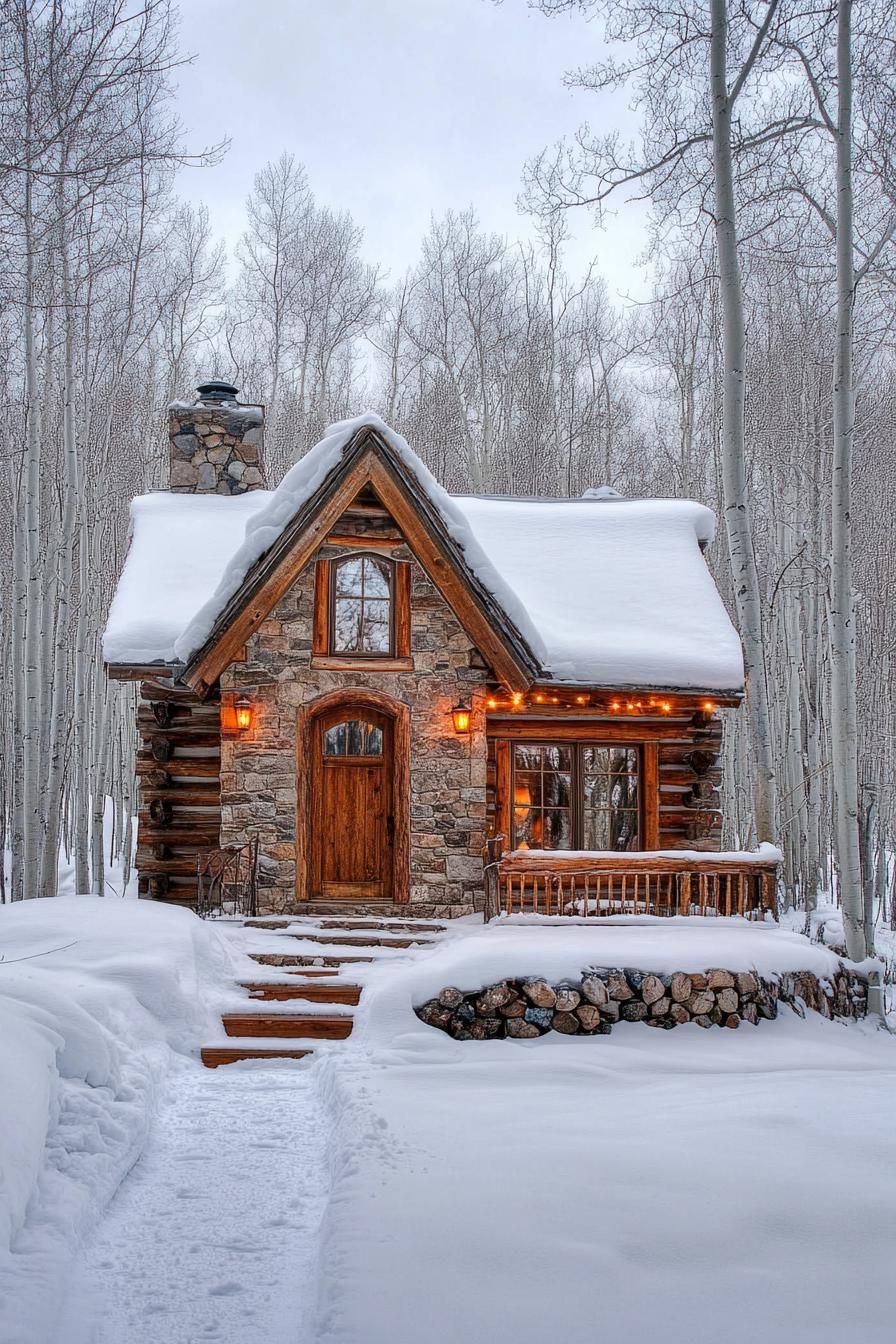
(365, 463)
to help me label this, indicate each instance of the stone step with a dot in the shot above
(313, 1026)
(214, 1055)
(316, 992)
(309, 961)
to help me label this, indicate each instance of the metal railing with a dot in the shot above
(227, 881)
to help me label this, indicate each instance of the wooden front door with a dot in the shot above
(353, 825)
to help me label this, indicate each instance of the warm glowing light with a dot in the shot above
(580, 699)
(461, 716)
(243, 708)
(539, 698)
(616, 706)
(630, 705)
(709, 706)
(492, 704)
(666, 707)
(517, 698)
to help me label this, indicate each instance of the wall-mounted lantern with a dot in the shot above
(703, 716)
(461, 716)
(243, 709)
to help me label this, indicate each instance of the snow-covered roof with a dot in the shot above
(605, 591)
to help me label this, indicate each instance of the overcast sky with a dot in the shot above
(398, 108)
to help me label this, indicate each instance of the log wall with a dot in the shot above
(179, 788)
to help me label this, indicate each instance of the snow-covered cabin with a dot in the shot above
(375, 677)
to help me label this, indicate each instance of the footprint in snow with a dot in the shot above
(227, 1289)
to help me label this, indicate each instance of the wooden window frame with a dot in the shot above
(323, 652)
(648, 780)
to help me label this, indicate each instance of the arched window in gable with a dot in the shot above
(362, 606)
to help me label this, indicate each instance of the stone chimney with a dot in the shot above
(216, 444)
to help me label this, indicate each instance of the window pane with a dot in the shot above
(354, 737)
(347, 632)
(556, 830)
(623, 830)
(376, 577)
(557, 758)
(597, 791)
(595, 759)
(375, 632)
(527, 789)
(597, 830)
(623, 791)
(556, 789)
(349, 577)
(623, 760)
(526, 758)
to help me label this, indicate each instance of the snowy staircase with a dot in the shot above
(314, 979)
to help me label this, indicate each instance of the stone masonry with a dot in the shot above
(604, 996)
(447, 771)
(216, 447)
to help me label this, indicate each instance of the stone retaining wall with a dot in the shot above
(603, 996)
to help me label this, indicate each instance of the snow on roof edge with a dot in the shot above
(302, 481)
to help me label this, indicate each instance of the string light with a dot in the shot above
(646, 706)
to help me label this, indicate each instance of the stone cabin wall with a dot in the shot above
(447, 771)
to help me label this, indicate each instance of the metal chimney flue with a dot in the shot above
(216, 392)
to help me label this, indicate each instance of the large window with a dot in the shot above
(575, 796)
(361, 606)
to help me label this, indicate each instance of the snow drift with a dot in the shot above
(94, 995)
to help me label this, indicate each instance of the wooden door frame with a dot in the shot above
(355, 697)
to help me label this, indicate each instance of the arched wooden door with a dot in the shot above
(352, 813)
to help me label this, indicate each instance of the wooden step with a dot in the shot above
(315, 992)
(312, 1026)
(384, 925)
(215, 1055)
(313, 963)
(335, 940)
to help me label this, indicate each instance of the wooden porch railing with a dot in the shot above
(627, 884)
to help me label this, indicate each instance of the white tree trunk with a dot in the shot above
(735, 488)
(843, 728)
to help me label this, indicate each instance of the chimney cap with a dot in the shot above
(215, 390)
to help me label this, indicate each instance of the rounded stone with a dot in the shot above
(727, 1000)
(539, 1017)
(620, 989)
(681, 988)
(652, 989)
(519, 1029)
(449, 997)
(636, 1011)
(595, 990)
(567, 1023)
(589, 1016)
(540, 993)
(567, 998)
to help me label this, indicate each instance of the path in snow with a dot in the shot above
(213, 1235)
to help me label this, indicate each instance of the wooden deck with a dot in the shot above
(602, 885)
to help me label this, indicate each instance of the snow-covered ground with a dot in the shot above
(214, 1235)
(96, 998)
(688, 1186)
